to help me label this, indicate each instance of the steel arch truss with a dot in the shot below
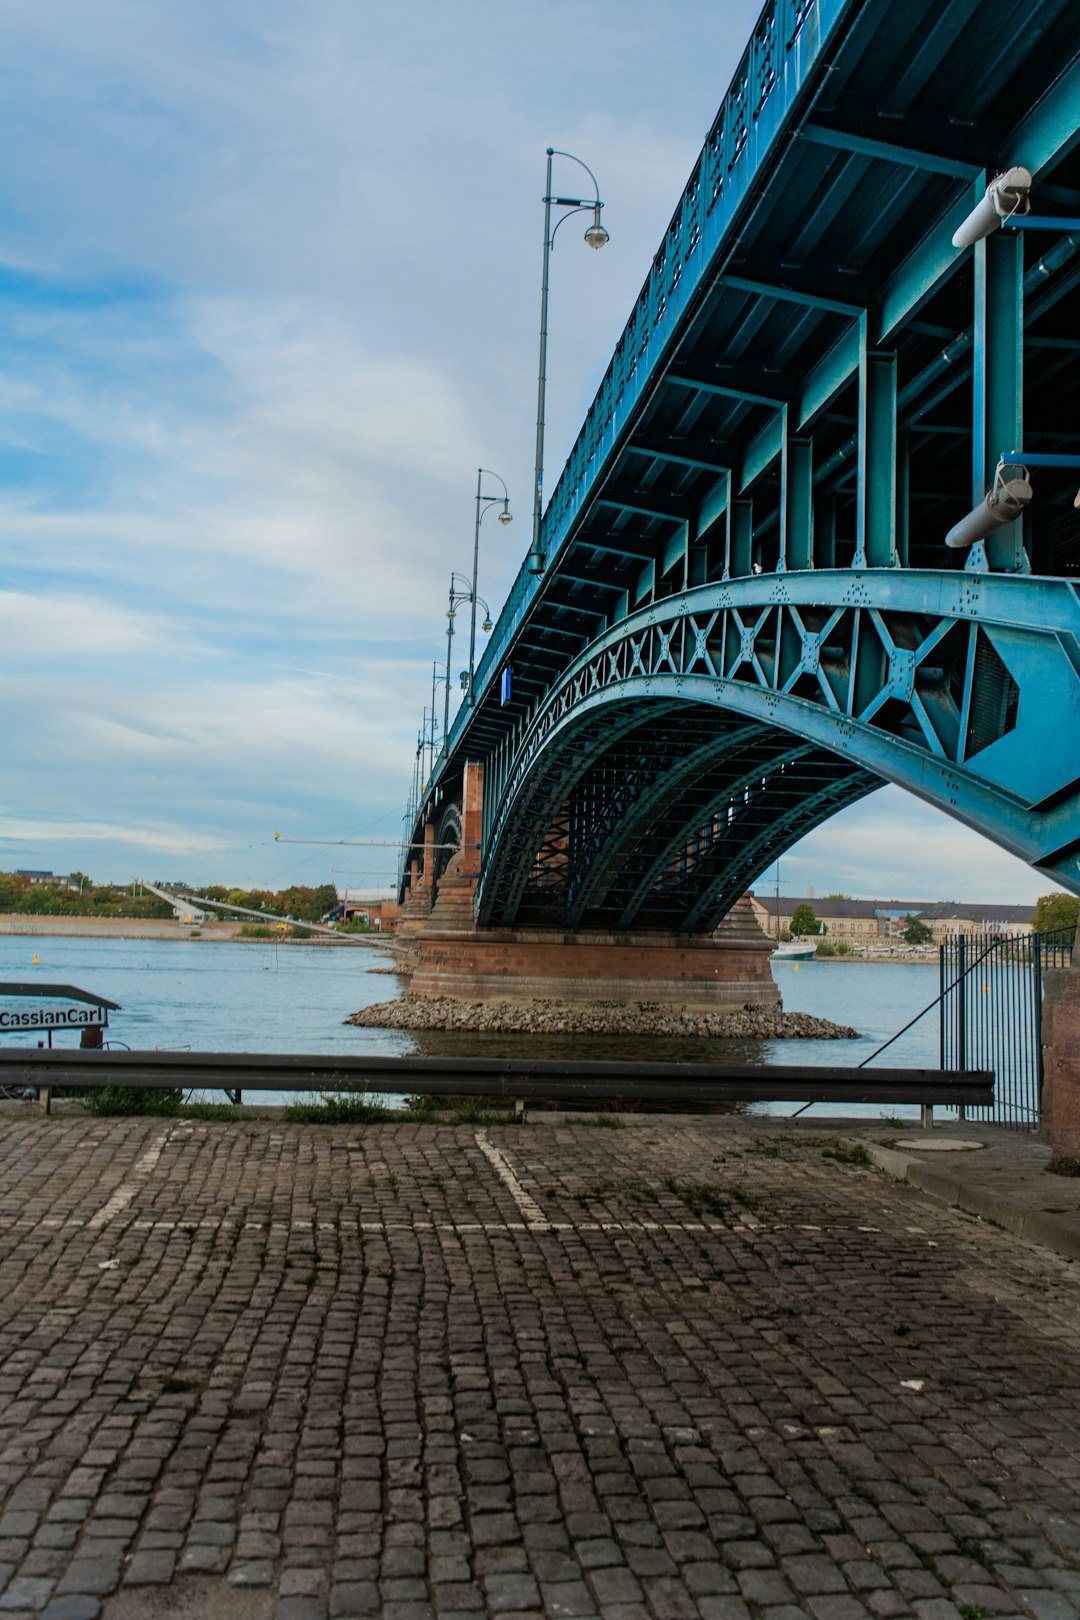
(695, 741)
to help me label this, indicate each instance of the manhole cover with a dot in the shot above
(944, 1144)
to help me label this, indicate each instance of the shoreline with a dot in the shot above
(26, 926)
(29, 926)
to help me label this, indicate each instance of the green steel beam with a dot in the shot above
(740, 558)
(930, 263)
(764, 449)
(789, 295)
(999, 384)
(698, 459)
(904, 157)
(588, 544)
(875, 533)
(797, 505)
(832, 372)
(1052, 128)
(680, 514)
(733, 390)
(590, 580)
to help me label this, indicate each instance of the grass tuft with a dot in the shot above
(699, 1198)
(110, 1101)
(337, 1108)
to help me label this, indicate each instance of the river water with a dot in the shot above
(260, 997)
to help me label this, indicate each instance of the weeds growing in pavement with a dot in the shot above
(108, 1101)
(206, 1110)
(853, 1154)
(337, 1108)
(699, 1198)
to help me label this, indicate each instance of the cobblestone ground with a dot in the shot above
(671, 1370)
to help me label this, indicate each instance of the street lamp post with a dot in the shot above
(595, 236)
(436, 680)
(456, 595)
(482, 503)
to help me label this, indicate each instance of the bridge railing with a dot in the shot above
(782, 51)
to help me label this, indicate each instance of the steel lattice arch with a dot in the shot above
(749, 616)
(693, 743)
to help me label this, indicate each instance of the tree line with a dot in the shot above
(1052, 911)
(80, 896)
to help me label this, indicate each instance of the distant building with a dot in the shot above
(34, 878)
(866, 922)
(379, 911)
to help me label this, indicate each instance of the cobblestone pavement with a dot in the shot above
(704, 1369)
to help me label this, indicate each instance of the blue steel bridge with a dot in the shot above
(749, 617)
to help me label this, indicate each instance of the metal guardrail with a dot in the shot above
(512, 1078)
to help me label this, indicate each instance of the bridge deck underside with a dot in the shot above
(659, 818)
(813, 387)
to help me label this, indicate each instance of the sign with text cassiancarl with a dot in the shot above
(56, 1016)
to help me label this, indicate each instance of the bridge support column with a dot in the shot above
(797, 513)
(417, 906)
(472, 821)
(721, 972)
(999, 384)
(1061, 1060)
(875, 540)
(740, 539)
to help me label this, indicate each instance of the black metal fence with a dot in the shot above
(991, 1015)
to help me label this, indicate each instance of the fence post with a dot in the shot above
(961, 1009)
(1037, 992)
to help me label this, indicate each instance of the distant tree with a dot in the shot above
(916, 932)
(1055, 910)
(12, 892)
(326, 898)
(837, 896)
(803, 920)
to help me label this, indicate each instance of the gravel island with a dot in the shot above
(597, 1018)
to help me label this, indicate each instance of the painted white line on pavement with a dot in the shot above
(534, 1215)
(123, 1195)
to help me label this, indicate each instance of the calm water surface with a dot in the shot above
(201, 995)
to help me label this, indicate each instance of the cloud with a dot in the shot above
(160, 838)
(65, 627)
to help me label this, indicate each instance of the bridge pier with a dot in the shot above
(719, 972)
(451, 956)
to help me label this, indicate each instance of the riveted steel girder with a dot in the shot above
(964, 689)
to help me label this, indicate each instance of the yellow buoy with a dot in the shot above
(36, 962)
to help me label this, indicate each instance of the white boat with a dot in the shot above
(795, 950)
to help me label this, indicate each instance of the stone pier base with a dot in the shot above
(1061, 1060)
(719, 972)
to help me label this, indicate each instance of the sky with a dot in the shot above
(270, 279)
